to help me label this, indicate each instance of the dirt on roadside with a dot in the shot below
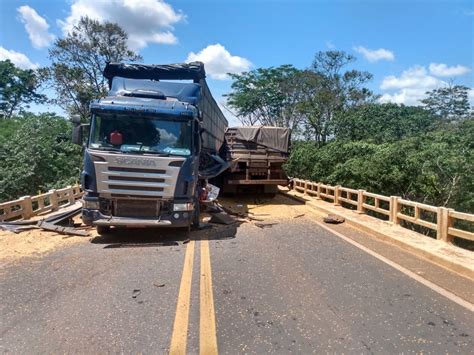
(33, 243)
(250, 209)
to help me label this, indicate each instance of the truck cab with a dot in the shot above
(144, 153)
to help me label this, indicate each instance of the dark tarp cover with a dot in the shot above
(272, 137)
(184, 71)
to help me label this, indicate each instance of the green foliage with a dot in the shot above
(379, 123)
(79, 59)
(18, 88)
(449, 102)
(304, 100)
(434, 168)
(266, 96)
(8, 129)
(335, 89)
(37, 156)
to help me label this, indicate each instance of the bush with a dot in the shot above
(37, 155)
(434, 168)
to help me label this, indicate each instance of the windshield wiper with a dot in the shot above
(110, 149)
(138, 152)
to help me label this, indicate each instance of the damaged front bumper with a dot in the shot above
(93, 217)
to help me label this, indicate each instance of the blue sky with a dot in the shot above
(409, 46)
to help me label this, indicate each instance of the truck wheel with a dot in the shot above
(101, 230)
(196, 215)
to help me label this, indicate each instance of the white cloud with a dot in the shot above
(414, 77)
(412, 85)
(17, 58)
(374, 55)
(440, 69)
(36, 26)
(218, 61)
(145, 21)
(330, 45)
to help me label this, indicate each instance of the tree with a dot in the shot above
(38, 156)
(79, 59)
(335, 90)
(380, 123)
(18, 88)
(267, 96)
(449, 102)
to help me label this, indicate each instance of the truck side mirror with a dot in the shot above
(77, 134)
(76, 120)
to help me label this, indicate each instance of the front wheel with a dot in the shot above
(196, 215)
(101, 230)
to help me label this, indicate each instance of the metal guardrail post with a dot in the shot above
(27, 207)
(360, 201)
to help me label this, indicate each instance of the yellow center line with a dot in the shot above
(181, 321)
(207, 318)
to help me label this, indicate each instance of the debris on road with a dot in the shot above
(265, 225)
(136, 293)
(16, 228)
(298, 216)
(222, 218)
(62, 230)
(159, 285)
(254, 219)
(59, 222)
(333, 219)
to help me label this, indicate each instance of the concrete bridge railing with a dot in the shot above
(395, 209)
(30, 206)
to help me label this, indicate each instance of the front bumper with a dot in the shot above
(96, 218)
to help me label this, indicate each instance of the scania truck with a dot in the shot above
(152, 142)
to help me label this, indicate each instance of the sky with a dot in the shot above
(409, 46)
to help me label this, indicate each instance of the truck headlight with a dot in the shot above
(178, 207)
(91, 204)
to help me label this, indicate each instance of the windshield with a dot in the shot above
(135, 134)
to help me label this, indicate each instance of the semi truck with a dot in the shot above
(153, 140)
(256, 155)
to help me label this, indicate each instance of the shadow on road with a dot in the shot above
(156, 237)
(237, 207)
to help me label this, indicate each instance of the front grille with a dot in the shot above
(135, 188)
(137, 208)
(131, 178)
(136, 170)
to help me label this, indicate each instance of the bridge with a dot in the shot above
(279, 280)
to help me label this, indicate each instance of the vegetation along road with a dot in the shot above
(291, 286)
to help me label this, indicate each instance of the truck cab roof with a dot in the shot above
(143, 105)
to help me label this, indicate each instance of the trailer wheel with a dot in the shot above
(101, 230)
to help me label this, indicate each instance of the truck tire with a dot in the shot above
(196, 215)
(101, 230)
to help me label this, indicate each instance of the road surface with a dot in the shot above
(289, 287)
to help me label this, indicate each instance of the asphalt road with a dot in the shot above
(289, 288)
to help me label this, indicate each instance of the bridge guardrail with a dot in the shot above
(394, 208)
(29, 206)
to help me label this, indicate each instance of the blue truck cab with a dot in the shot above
(153, 140)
